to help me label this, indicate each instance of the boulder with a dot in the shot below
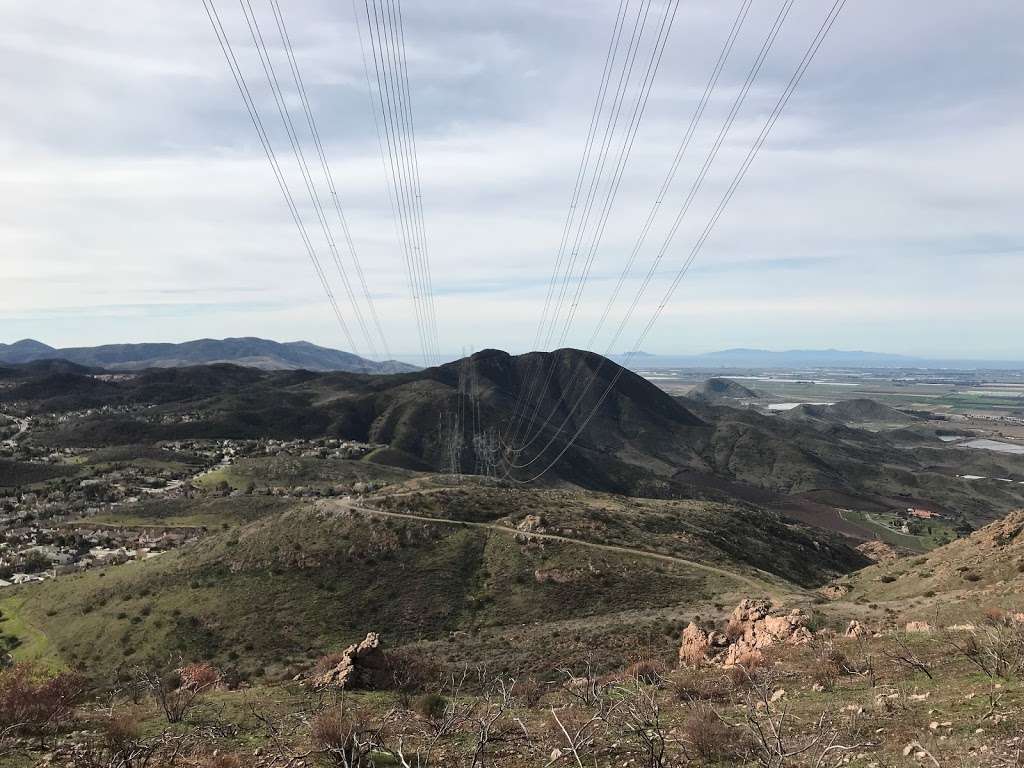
(362, 665)
(695, 647)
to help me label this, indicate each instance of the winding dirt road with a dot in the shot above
(767, 584)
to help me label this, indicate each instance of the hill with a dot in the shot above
(855, 411)
(990, 561)
(430, 566)
(248, 351)
(594, 424)
(716, 389)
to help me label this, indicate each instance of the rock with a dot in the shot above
(531, 524)
(750, 610)
(695, 646)
(556, 755)
(918, 627)
(362, 665)
(856, 629)
(751, 629)
(835, 591)
(776, 695)
(878, 551)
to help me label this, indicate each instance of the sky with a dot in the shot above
(882, 213)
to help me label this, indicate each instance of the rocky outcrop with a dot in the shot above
(878, 551)
(856, 629)
(362, 665)
(751, 628)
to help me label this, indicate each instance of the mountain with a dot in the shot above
(593, 424)
(25, 350)
(247, 351)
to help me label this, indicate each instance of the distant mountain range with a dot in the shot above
(247, 351)
(814, 358)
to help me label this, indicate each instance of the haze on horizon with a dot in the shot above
(883, 213)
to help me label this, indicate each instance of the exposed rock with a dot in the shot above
(835, 591)
(531, 524)
(878, 551)
(750, 610)
(695, 646)
(918, 626)
(751, 628)
(362, 665)
(856, 629)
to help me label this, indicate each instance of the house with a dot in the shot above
(922, 514)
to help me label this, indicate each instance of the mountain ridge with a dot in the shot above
(248, 351)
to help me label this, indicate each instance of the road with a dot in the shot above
(23, 425)
(768, 585)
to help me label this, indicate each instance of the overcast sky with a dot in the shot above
(884, 212)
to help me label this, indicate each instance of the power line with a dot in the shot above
(383, 144)
(752, 153)
(639, 107)
(275, 86)
(695, 187)
(325, 166)
(268, 149)
(398, 128)
(621, 159)
(581, 173)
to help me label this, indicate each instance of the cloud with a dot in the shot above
(883, 213)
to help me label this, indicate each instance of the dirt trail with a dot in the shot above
(769, 584)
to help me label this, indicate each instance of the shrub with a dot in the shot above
(647, 671)
(887, 578)
(36, 703)
(530, 691)
(431, 706)
(707, 737)
(690, 685)
(971, 576)
(412, 673)
(746, 669)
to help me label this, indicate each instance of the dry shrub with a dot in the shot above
(411, 672)
(827, 667)
(733, 631)
(199, 677)
(431, 706)
(121, 731)
(530, 691)
(647, 671)
(333, 730)
(746, 669)
(708, 738)
(328, 662)
(995, 615)
(690, 685)
(35, 702)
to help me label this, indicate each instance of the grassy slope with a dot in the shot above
(289, 580)
(274, 594)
